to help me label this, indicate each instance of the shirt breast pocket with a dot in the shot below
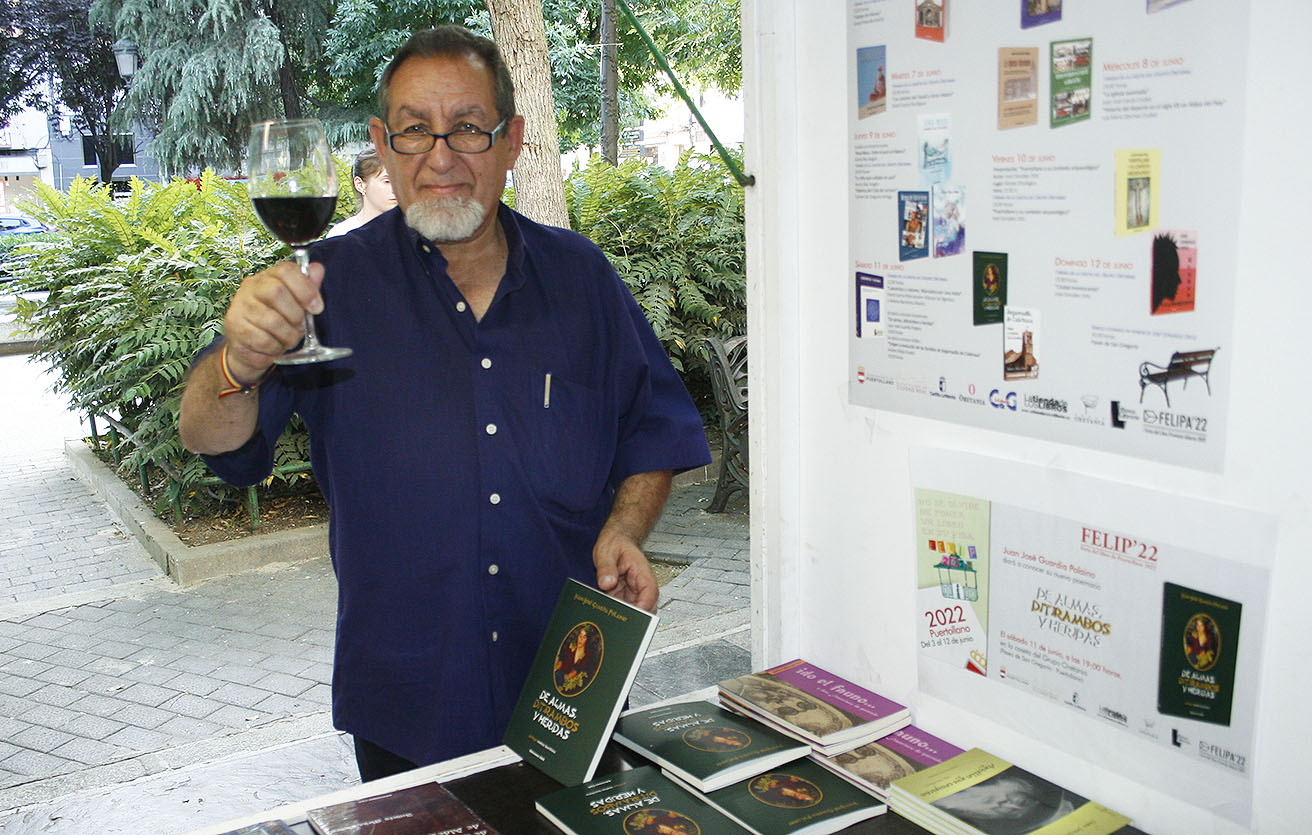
(570, 442)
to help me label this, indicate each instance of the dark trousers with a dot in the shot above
(376, 762)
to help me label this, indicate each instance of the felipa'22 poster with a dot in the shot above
(952, 578)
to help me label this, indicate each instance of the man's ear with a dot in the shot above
(378, 133)
(515, 137)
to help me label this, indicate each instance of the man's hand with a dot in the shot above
(267, 317)
(623, 570)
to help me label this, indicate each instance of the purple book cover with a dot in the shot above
(915, 744)
(836, 691)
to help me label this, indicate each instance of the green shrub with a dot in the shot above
(136, 287)
(677, 239)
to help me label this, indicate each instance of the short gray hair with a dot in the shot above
(452, 40)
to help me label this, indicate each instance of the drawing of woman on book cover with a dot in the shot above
(578, 659)
(660, 822)
(716, 739)
(785, 791)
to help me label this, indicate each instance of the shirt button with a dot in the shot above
(495, 635)
(487, 363)
(460, 306)
(495, 498)
(426, 248)
(493, 568)
(491, 429)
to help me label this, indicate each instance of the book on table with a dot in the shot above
(976, 793)
(828, 712)
(876, 764)
(274, 827)
(634, 803)
(797, 798)
(578, 681)
(705, 745)
(424, 809)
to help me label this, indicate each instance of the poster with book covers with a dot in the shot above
(1068, 137)
(1131, 620)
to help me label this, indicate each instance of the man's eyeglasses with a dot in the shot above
(465, 140)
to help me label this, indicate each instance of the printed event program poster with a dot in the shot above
(1111, 622)
(1075, 134)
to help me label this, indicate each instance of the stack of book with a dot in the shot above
(876, 764)
(976, 793)
(829, 713)
(758, 777)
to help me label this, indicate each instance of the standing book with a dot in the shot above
(877, 764)
(578, 682)
(632, 803)
(800, 798)
(979, 794)
(705, 745)
(425, 809)
(807, 702)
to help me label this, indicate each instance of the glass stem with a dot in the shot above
(303, 261)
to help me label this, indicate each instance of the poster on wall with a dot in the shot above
(1109, 614)
(1065, 139)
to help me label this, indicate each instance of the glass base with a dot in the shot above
(314, 353)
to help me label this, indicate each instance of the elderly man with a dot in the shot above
(507, 420)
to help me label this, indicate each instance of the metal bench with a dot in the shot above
(729, 385)
(1183, 365)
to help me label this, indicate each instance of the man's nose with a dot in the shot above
(440, 156)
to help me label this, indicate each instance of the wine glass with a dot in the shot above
(293, 188)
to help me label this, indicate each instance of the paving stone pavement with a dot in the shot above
(125, 699)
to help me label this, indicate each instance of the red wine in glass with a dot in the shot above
(293, 189)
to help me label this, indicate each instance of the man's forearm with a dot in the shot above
(211, 424)
(638, 504)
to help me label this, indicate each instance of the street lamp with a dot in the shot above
(125, 55)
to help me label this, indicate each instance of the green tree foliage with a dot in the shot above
(53, 58)
(211, 67)
(677, 239)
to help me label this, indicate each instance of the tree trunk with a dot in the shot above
(522, 37)
(610, 104)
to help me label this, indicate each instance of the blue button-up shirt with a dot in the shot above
(468, 465)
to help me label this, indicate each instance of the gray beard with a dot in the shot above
(446, 220)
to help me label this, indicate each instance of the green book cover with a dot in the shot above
(634, 802)
(980, 793)
(1200, 637)
(578, 681)
(1072, 81)
(989, 287)
(704, 744)
(800, 797)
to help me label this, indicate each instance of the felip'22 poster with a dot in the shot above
(1082, 595)
(1054, 246)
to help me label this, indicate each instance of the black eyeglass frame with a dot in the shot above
(445, 137)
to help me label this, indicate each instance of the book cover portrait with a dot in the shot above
(1072, 81)
(1018, 86)
(931, 20)
(913, 224)
(989, 286)
(1175, 270)
(1039, 12)
(871, 81)
(1200, 636)
(579, 659)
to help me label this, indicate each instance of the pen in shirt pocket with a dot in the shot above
(546, 392)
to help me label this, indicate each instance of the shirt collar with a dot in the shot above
(509, 220)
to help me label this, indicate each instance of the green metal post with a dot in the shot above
(743, 179)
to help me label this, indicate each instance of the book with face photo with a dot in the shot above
(913, 224)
